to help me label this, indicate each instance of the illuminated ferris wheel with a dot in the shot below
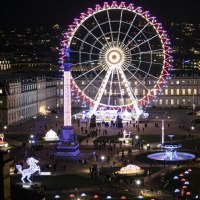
(120, 56)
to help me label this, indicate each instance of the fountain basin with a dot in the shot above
(181, 156)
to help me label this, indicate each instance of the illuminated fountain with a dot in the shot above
(130, 170)
(51, 136)
(170, 153)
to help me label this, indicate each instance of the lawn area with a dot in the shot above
(172, 184)
(18, 137)
(62, 181)
(25, 138)
(115, 138)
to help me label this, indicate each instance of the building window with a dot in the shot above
(177, 92)
(136, 91)
(166, 92)
(183, 91)
(122, 91)
(177, 101)
(183, 101)
(195, 92)
(177, 82)
(143, 92)
(166, 101)
(105, 92)
(172, 102)
(160, 101)
(1, 91)
(189, 92)
(172, 91)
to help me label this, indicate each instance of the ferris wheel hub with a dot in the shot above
(114, 56)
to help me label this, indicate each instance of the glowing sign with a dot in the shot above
(26, 173)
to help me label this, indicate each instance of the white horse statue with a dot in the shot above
(29, 171)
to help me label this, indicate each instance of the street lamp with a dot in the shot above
(102, 158)
(138, 182)
(21, 118)
(32, 140)
(136, 137)
(76, 189)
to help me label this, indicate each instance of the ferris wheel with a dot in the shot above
(119, 56)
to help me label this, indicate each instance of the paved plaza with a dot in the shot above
(111, 156)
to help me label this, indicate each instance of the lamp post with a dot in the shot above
(76, 189)
(21, 118)
(138, 183)
(5, 129)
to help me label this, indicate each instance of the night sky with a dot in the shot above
(15, 13)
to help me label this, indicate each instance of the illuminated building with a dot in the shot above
(23, 97)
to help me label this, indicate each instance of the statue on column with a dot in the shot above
(67, 64)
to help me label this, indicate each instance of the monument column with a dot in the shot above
(69, 146)
(67, 130)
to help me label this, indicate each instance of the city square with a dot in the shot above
(107, 114)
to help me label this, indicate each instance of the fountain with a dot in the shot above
(170, 153)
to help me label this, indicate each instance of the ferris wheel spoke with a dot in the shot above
(148, 62)
(141, 30)
(94, 78)
(83, 52)
(119, 82)
(147, 52)
(131, 24)
(132, 75)
(101, 90)
(111, 82)
(92, 35)
(87, 72)
(89, 61)
(144, 42)
(83, 41)
(101, 30)
(120, 23)
(148, 74)
(131, 94)
(111, 32)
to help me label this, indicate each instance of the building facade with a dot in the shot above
(23, 99)
(181, 90)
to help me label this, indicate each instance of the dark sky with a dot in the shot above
(43, 12)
